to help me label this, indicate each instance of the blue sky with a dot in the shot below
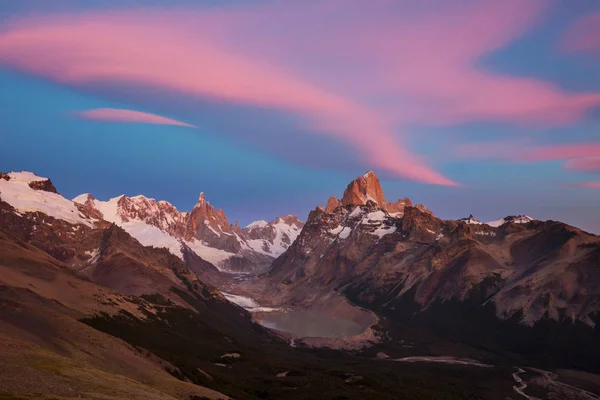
(283, 117)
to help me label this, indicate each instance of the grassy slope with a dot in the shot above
(47, 352)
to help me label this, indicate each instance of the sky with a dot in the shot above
(490, 108)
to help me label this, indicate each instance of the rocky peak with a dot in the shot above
(367, 188)
(423, 208)
(420, 224)
(471, 220)
(363, 189)
(332, 204)
(397, 208)
(87, 205)
(518, 219)
(315, 215)
(211, 226)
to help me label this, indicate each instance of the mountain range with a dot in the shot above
(512, 291)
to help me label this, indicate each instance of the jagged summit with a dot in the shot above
(362, 189)
(205, 230)
(471, 220)
(367, 187)
(332, 204)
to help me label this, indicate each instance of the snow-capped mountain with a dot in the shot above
(274, 237)
(27, 192)
(515, 219)
(205, 230)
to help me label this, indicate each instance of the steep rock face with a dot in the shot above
(367, 188)
(332, 204)
(212, 227)
(363, 189)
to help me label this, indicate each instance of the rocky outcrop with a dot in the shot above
(471, 220)
(367, 188)
(332, 204)
(45, 185)
(211, 226)
(160, 214)
(398, 207)
(363, 189)
(88, 208)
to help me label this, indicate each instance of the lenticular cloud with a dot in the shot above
(121, 115)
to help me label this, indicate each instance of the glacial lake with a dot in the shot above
(309, 323)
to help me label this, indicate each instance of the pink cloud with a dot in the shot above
(589, 185)
(499, 150)
(584, 35)
(362, 71)
(581, 156)
(584, 164)
(120, 115)
(561, 152)
(181, 51)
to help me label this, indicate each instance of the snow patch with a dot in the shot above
(345, 233)
(519, 219)
(210, 254)
(374, 216)
(486, 233)
(257, 224)
(384, 230)
(149, 235)
(355, 213)
(248, 303)
(336, 231)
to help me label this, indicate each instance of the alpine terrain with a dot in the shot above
(366, 299)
